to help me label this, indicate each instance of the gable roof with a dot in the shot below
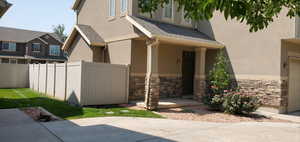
(21, 35)
(87, 33)
(167, 31)
(76, 4)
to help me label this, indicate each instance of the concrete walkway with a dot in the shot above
(16, 126)
(114, 129)
(293, 117)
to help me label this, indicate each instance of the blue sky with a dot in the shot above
(39, 15)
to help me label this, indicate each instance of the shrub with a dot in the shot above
(219, 78)
(220, 98)
(218, 82)
(214, 102)
(237, 103)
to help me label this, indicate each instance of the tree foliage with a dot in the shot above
(59, 30)
(258, 14)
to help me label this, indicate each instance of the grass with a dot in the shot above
(22, 98)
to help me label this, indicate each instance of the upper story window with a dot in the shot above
(124, 6)
(9, 46)
(168, 10)
(54, 50)
(36, 47)
(112, 8)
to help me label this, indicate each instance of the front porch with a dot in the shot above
(165, 74)
(168, 61)
(183, 75)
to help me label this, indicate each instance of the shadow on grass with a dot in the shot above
(58, 108)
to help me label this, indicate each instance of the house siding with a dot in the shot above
(119, 52)
(95, 14)
(79, 50)
(20, 50)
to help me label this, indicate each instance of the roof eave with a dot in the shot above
(76, 4)
(5, 8)
(187, 42)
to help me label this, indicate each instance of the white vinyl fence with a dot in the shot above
(82, 83)
(14, 76)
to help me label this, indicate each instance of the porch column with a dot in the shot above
(152, 77)
(199, 80)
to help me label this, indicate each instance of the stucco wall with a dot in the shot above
(119, 52)
(139, 57)
(169, 56)
(251, 54)
(95, 14)
(170, 59)
(80, 51)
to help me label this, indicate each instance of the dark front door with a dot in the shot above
(188, 71)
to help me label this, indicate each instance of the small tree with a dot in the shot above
(219, 77)
(219, 82)
(59, 30)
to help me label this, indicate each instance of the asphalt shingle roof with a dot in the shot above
(92, 35)
(171, 30)
(20, 35)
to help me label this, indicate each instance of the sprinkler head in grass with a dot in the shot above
(109, 112)
(124, 111)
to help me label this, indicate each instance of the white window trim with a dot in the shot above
(183, 20)
(123, 13)
(167, 19)
(32, 48)
(8, 47)
(110, 17)
(50, 50)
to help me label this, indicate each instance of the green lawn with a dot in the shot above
(21, 98)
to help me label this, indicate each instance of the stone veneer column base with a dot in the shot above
(199, 89)
(136, 88)
(154, 92)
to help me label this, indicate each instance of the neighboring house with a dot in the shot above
(170, 56)
(19, 46)
(4, 6)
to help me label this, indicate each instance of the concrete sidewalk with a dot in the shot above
(126, 129)
(16, 126)
(293, 117)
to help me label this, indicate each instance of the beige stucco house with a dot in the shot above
(170, 56)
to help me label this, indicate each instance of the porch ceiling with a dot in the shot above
(171, 33)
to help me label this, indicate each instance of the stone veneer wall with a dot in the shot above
(199, 88)
(170, 87)
(136, 87)
(272, 93)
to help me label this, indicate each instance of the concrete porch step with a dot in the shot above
(172, 103)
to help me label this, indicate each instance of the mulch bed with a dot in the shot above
(40, 115)
(201, 113)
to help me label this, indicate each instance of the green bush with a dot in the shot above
(220, 96)
(218, 82)
(214, 102)
(219, 78)
(237, 103)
